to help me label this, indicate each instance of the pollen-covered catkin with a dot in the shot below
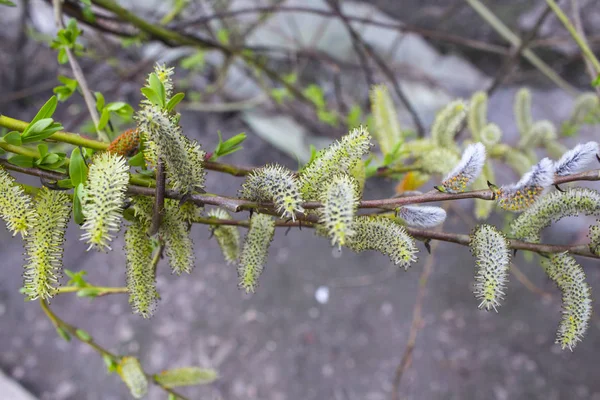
(339, 158)
(103, 199)
(467, 170)
(141, 281)
(340, 200)
(179, 247)
(255, 250)
(228, 237)
(277, 184)
(491, 250)
(45, 243)
(576, 298)
(551, 208)
(386, 236)
(15, 205)
(524, 193)
(576, 159)
(422, 216)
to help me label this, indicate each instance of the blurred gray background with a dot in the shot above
(282, 343)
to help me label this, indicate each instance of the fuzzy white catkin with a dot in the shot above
(422, 216)
(576, 159)
(531, 186)
(467, 170)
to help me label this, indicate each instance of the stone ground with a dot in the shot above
(281, 343)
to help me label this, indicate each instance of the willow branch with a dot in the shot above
(78, 140)
(78, 73)
(73, 331)
(236, 205)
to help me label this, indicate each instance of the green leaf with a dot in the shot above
(63, 334)
(77, 209)
(83, 335)
(7, 3)
(104, 117)
(121, 108)
(188, 376)
(151, 95)
(64, 184)
(42, 135)
(137, 160)
(42, 149)
(229, 146)
(13, 138)
(596, 82)
(77, 168)
(354, 117)
(223, 36)
(315, 94)
(21, 161)
(77, 278)
(37, 126)
(157, 86)
(46, 111)
(194, 62)
(62, 56)
(99, 101)
(48, 159)
(176, 99)
(111, 364)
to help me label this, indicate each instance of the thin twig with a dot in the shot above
(73, 331)
(78, 73)
(514, 55)
(415, 324)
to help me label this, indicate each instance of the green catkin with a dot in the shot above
(172, 147)
(131, 372)
(539, 133)
(522, 109)
(576, 298)
(491, 134)
(103, 199)
(387, 125)
(594, 236)
(187, 376)
(439, 161)
(483, 208)
(274, 183)
(255, 251)
(228, 237)
(551, 208)
(179, 247)
(587, 105)
(44, 245)
(340, 201)
(518, 161)
(477, 118)
(339, 158)
(15, 206)
(386, 236)
(141, 281)
(491, 249)
(446, 124)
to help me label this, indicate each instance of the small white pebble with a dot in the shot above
(322, 294)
